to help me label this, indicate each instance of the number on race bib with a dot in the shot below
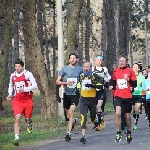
(84, 82)
(19, 86)
(122, 83)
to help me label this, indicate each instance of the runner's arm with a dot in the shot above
(10, 89)
(31, 78)
(133, 80)
(144, 86)
(59, 79)
(107, 73)
(98, 82)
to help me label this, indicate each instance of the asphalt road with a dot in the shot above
(102, 140)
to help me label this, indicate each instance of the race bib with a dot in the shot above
(19, 86)
(122, 83)
(84, 82)
(74, 82)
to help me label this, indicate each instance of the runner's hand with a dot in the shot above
(8, 98)
(147, 89)
(110, 87)
(106, 80)
(126, 77)
(69, 82)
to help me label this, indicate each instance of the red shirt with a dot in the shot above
(123, 86)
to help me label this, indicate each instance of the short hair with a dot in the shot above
(124, 56)
(74, 55)
(19, 61)
(87, 62)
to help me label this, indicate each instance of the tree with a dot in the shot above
(72, 43)
(6, 11)
(45, 84)
(87, 33)
(109, 9)
(125, 7)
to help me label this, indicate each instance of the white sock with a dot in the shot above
(17, 136)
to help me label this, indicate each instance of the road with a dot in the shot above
(102, 140)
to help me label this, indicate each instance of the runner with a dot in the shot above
(100, 94)
(23, 83)
(123, 79)
(144, 72)
(137, 96)
(146, 87)
(68, 77)
(88, 83)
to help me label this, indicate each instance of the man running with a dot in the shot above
(146, 88)
(68, 77)
(123, 79)
(101, 93)
(23, 83)
(87, 85)
(137, 96)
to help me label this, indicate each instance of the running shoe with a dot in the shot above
(68, 137)
(135, 128)
(129, 138)
(98, 128)
(83, 139)
(29, 128)
(16, 142)
(102, 125)
(118, 138)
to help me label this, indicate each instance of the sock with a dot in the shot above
(128, 132)
(84, 136)
(69, 133)
(96, 121)
(99, 117)
(136, 119)
(17, 136)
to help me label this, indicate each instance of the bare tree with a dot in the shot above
(6, 11)
(36, 60)
(72, 43)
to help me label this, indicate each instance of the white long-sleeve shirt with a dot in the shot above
(28, 76)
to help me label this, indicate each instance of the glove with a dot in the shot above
(89, 85)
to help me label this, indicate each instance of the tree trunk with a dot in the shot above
(5, 40)
(125, 10)
(87, 32)
(49, 104)
(104, 35)
(47, 51)
(111, 34)
(72, 42)
(109, 8)
(16, 29)
(40, 9)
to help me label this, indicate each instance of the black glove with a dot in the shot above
(89, 85)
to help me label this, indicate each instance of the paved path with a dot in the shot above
(103, 140)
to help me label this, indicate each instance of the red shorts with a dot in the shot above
(22, 107)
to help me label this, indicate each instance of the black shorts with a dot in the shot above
(124, 103)
(101, 95)
(137, 99)
(70, 100)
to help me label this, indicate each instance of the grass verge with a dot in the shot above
(49, 128)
